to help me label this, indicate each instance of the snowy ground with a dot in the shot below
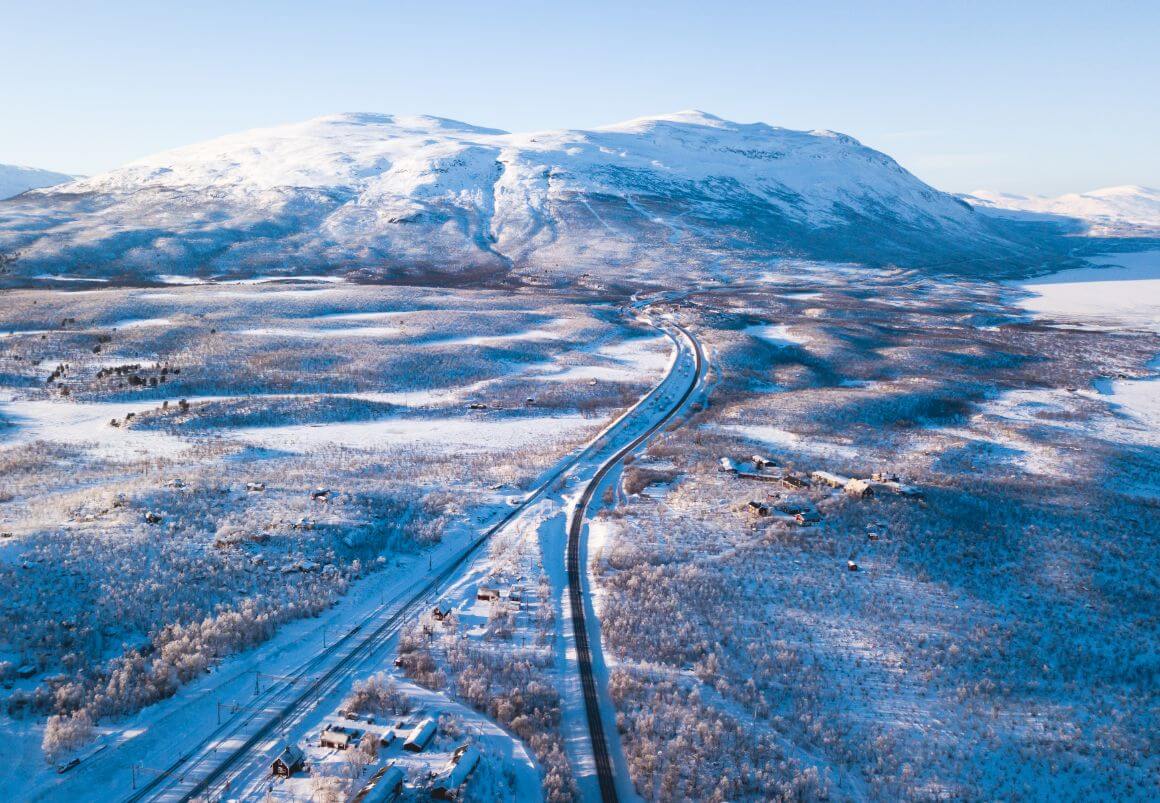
(218, 403)
(1124, 292)
(518, 632)
(982, 637)
(979, 640)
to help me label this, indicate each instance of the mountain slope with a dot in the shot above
(15, 179)
(379, 194)
(1111, 211)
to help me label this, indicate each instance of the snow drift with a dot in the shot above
(383, 195)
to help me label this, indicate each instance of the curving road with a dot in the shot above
(576, 564)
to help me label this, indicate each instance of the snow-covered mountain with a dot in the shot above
(15, 179)
(383, 194)
(1111, 211)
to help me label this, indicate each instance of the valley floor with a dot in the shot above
(981, 626)
(903, 547)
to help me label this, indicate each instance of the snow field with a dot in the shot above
(233, 511)
(984, 645)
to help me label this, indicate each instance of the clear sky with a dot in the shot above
(1021, 96)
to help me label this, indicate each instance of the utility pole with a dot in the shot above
(231, 707)
(138, 768)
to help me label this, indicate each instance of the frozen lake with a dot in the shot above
(1122, 293)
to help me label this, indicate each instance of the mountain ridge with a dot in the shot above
(384, 195)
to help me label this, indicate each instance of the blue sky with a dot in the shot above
(1045, 97)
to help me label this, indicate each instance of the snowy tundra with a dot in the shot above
(295, 424)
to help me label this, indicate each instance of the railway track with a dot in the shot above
(359, 644)
(207, 770)
(576, 574)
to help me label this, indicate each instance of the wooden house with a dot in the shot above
(757, 509)
(288, 762)
(487, 594)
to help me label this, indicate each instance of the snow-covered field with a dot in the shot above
(779, 438)
(445, 434)
(977, 628)
(778, 334)
(199, 481)
(210, 465)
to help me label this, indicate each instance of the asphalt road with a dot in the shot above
(576, 568)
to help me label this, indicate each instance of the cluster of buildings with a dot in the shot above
(803, 512)
(389, 781)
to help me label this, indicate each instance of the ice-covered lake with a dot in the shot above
(1121, 293)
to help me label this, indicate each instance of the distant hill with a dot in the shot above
(381, 195)
(1129, 210)
(15, 179)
